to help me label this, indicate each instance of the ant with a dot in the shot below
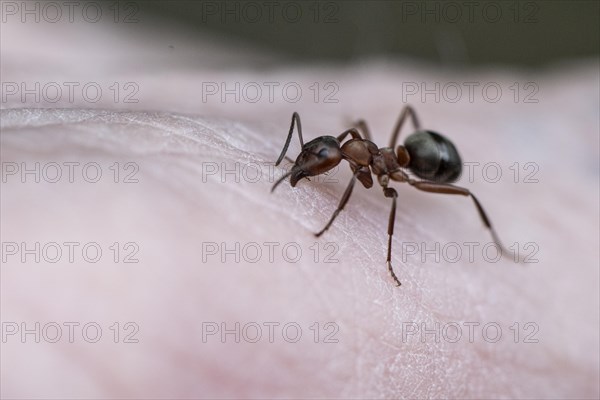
(427, 154)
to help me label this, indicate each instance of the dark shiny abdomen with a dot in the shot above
(433, 157)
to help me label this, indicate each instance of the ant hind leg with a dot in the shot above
(445, 188)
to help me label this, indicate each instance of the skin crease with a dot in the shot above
(177, 205)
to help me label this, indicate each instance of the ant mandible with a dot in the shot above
(428, 155)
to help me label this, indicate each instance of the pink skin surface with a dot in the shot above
(175, 200)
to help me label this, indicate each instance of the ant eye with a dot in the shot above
(324, 153)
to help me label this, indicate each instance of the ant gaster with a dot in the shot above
(428, 155)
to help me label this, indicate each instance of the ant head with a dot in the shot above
(317, 156)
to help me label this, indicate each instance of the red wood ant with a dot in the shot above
(428, 155)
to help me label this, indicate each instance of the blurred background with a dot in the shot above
(445, 33)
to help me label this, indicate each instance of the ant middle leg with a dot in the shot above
(391, 192)
(445, 188)
(406, 111)
(296, 119)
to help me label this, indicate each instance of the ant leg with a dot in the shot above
(362, 125)
(446, 188)
(390, 192)
(352, 131)
(406, 111)
(343, 202)
(295, 118)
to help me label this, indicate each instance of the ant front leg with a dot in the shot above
(445, 188)
(406, 111)
(362, 125)
(352, 131)
(391, 192)
(343, 202)
(296, 119)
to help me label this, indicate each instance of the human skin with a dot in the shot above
(178, 207)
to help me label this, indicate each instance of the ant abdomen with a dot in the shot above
(433, 157)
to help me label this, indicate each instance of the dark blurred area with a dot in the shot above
(520, 33)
